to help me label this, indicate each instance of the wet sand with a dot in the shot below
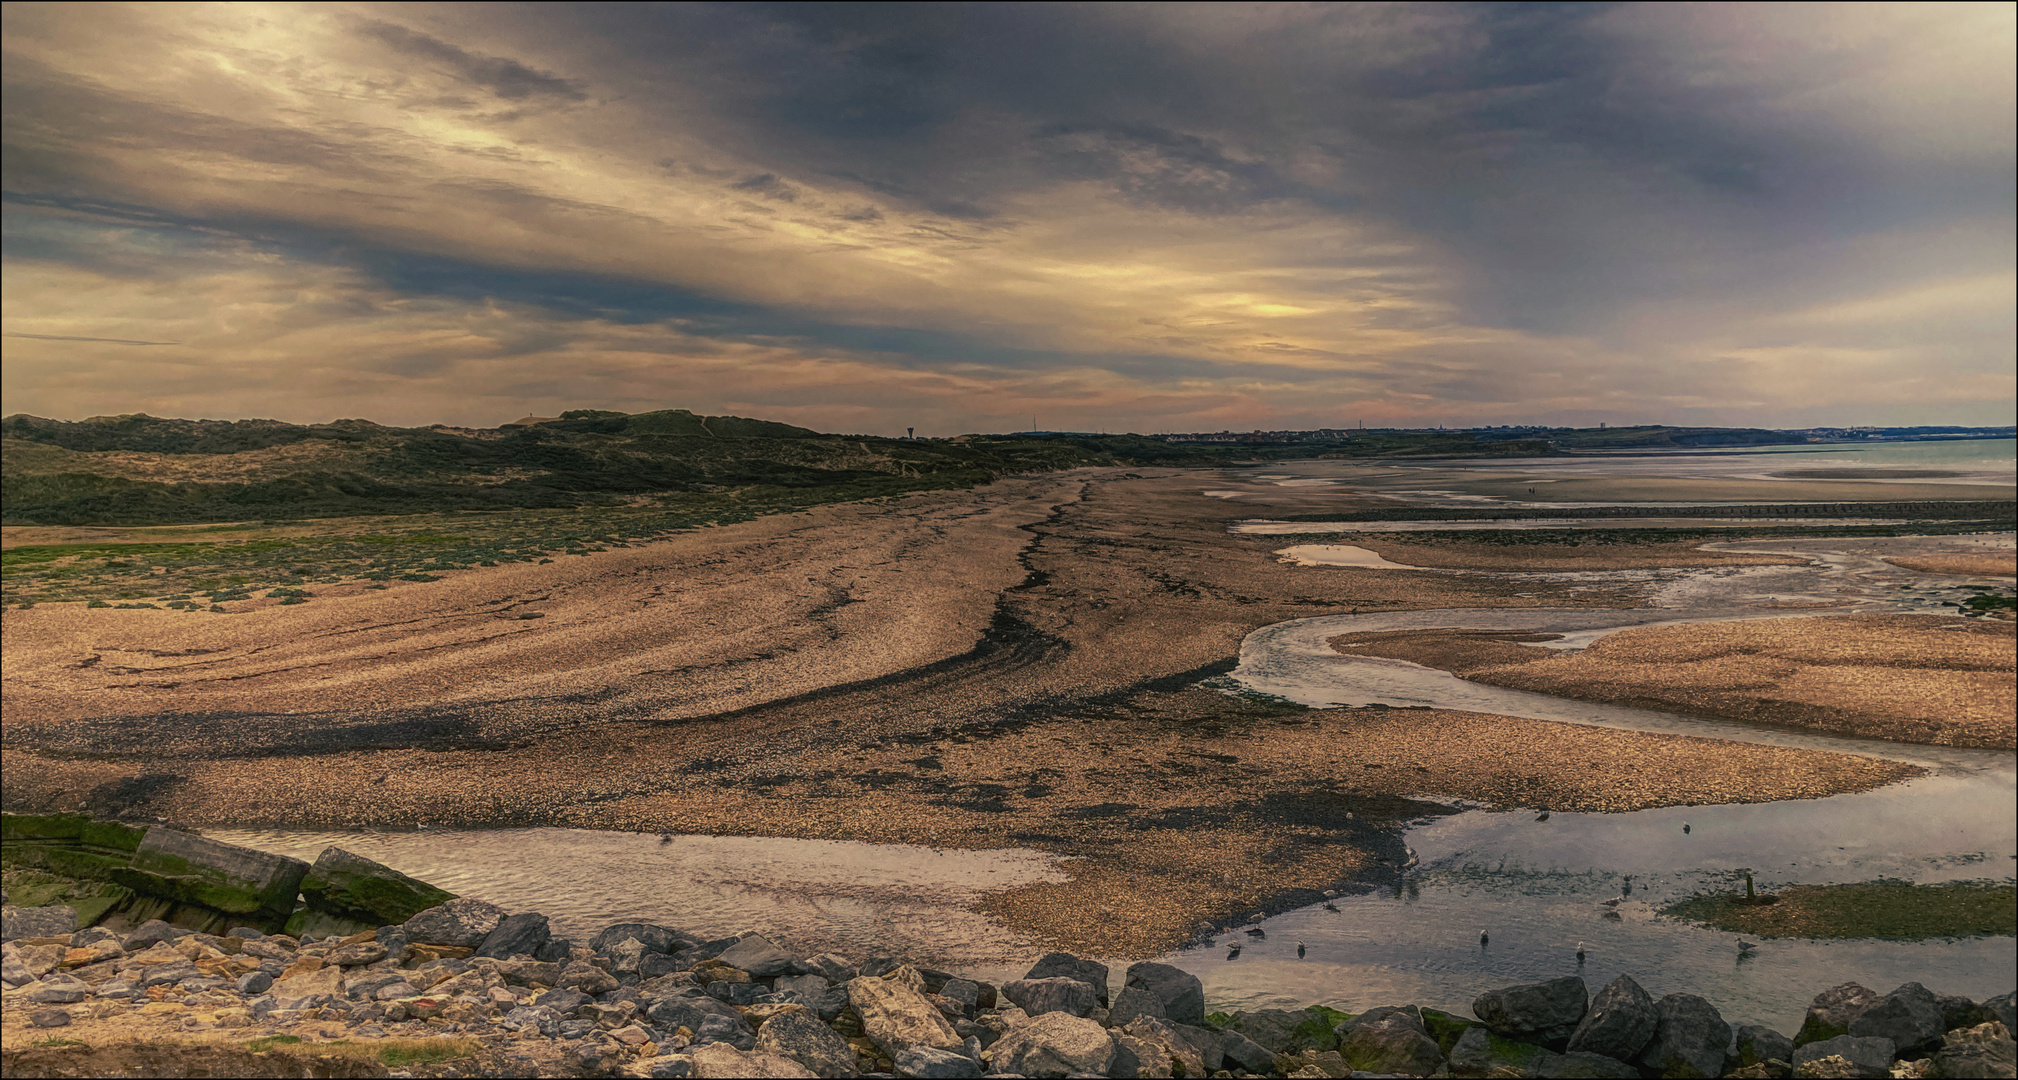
(1909, 678)
(1987, 565)
(866, 671)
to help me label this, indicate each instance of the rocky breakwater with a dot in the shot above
(641, 1000)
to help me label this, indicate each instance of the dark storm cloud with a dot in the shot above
(503, 76)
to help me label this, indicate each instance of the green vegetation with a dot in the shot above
(268, 1042)
(392, 1053)
(1886, 908)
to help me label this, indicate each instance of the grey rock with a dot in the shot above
(12, 971)
(1133, 1002)
(656, 965)
(1408, 1014)
(835, 969)
(1208, 1042)
(1238, 1049)
(1909, 1016)
(1983, 1050)
(167, 974)
(565, 1000)
(1690, 1040)
(1619, 1023)
(1065, 965)
(626, 956)
(1162, 1050)
(244, 933)
(516, 934)
(928, 1063)
(1055, 994)
(59, 990)
(1056, 1044)
(688, 1011)
(53, 920)
(192, 869)
(265, 950)
(1582, 1065)
(1479, 1052)
(1961, 1012)
(1178, 991)
(395, 991)
(587, 978)
(528, 972)
(759, 956)
(967, 993)
(659, 939)
(1872, 1057)
(92, 935)
(723, 1060)
(1390, 1045)
(894, 1016)
(199, 985)
(725, 1029)
(117, 988)
(800, 1035)
(533, 1018)
(461, 923)
(49, 1018)
(365, 985)
(394, 941)
(1274, 1029)
(2005, 1008)
(358, 955)
(1758, 1044)
(1544, 1012)
(1832, 1011)
(154, 931)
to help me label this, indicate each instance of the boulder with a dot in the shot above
(1131, 1002)
(968, 994)
(48, 1018)
(12, 971)
(532, 1018)
(1136, 1059)
(659, 939)
(1690, 1040)
(254, 983)
(688, 1011)
(757, 955)
(460, 923)
(59, 990)
(1830, 1014)
(1909, 1016)
(1445, 1028)
(1983, 1050)
(927, 1063)
(1583, 1065)
(154, 931)
(1545, 1012)
(528, 972)
(295, 991)
(1277, 1029)
(1178, 991)
(1392, 1045)
(358, 955)
(350, 886)
(587, 978)
(1055, 1044)
(722, 1060)
(799, 1035)
(1055, 994)
(894, 1017)
(34, 922)
(627, 956)
(2004, 1007)
(1758, 1044)
(192, 869)
(1479, 1052)
(722, 1029)
(1871, 1057)
(516, 935)
(1162, 1050)
(1958, 1011)
(1618, 1024)
(1067, 966)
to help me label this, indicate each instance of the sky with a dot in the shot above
(1113, 217)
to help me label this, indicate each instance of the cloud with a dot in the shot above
(1175, 213)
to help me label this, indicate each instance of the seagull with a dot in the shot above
(665, 838)
(1329, 906)
(1233, 952)
(1685, 828)
(1299, 950)
(1612, 903)
(1627, 889)
(1580, 953)
(1483, 940)
(1543, 816)
(1332, 894)
(1257, 933)
(1745, 947)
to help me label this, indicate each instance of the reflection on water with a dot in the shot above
(840, 895)
(1536, 886)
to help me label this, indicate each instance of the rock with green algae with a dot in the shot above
(343, 885)
(223, 877)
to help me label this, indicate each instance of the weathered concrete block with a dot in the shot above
(226, 877)
(350, 886)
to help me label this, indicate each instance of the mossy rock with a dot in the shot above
(344, 885)
(1445, 1028)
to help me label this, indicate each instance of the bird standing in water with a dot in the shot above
(1483, 940)
(1257, 933)
(1233, 952)
(1627, 888)
(1299, 950)
(1745, 947)
(1685, 828)
(1543, 816)
(1580, 954)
